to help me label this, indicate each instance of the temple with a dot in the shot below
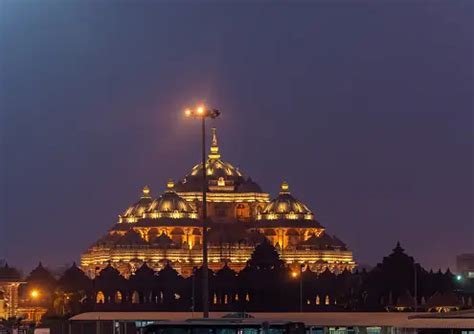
(168, 229)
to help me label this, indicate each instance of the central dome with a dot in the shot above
(221, 175)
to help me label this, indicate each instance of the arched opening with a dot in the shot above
(177, 235)
(135, 297)
(292, 237)
(326, 301)
(118, 297)
(100, 298)
(242, 211)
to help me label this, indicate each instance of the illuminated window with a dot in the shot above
(326, 301)
(242, 211)
(318, 300)
(135, 297)
(221, 182)
(100, 298)
(118, 297)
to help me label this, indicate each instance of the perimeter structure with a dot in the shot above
(168, 229)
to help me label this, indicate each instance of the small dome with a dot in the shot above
(136, 211)
(171, 205)
(285, 207)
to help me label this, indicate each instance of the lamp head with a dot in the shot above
(202, 112)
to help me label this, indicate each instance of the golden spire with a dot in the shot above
(214, 147)
(146, 192)
(285, 188)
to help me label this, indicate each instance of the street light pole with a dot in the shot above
(205, 271)
(415, 287)
(301, 288)
(202, 113)
(299, 274)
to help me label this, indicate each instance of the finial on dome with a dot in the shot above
(170, 185)
(285, 188)
(214, 146)
(146, 192)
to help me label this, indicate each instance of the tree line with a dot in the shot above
(265, 284)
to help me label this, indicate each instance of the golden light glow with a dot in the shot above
(100, 298)
(284, 186)
(200, 110)
(187, 112)
(34, 294)
(221, 182)
(294, 274)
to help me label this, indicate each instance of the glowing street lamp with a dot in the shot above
(299, 274)
(35, 294)
(202, 113)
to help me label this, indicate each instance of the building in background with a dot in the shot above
(168, 229)
(465, 265)
(10, 281)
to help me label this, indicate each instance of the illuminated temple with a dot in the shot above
(168, 229)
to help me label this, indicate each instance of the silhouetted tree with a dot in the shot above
(71, 292)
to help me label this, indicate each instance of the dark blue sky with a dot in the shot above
(365, 108)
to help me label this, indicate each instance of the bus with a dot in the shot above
(225, 326)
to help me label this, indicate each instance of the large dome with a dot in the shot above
(221, 175)
(285, 207)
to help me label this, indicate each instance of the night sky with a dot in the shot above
(365, 108)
